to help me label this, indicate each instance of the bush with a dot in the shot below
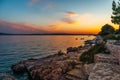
(112, 37)
(88, 56)
(107, 29)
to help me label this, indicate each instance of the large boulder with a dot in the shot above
(18, 68)
(21, 66)
(53, 70)
(53, 67)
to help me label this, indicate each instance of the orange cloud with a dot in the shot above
(71, 14)
(69, 17)
(68, 20)
(54, 28)
(83, 23)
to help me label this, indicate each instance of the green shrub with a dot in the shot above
(107, 29)
(88, 56)
(111, 37)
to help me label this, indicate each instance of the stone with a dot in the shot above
(52, 67)
(72, 49)
(89, 67)
(105, 71)
(105, 58)
(114, 49)
(21, 66)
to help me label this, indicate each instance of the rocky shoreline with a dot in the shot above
(67, 66)
(55, 67)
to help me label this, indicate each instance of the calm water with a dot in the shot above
(16, 48)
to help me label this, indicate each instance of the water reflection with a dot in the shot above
(16, 48)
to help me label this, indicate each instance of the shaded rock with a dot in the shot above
(21, 66)
(51, 71)
(4, 76)
(18, 68)
(53, 67)
(72, 49)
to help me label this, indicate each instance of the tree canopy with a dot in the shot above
(115, 18)
(107, 29)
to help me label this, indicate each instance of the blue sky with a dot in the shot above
(50, 12)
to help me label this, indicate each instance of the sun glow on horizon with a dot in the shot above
(39, 16)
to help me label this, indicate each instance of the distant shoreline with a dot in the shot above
(4, 34)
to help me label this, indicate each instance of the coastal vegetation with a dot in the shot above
(115, 18)
(106, 30)
(111, 37)
(88, 56)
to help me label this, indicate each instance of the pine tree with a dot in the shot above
(116, 13)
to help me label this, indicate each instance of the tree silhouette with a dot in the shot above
(107, 29)
(116, 13)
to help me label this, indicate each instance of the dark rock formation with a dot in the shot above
(20, 67)
(53, 67)
(47, 68)
(72, 49)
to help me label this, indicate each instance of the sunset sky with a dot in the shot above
(54, 16)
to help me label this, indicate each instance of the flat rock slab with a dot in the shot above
(77, 73)
(105, 71)
(105, 58)
(53, 67)
(89, 68)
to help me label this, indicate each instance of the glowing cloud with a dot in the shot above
(81, 23)
(54, 28)
(71, 14)
(68, 20)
